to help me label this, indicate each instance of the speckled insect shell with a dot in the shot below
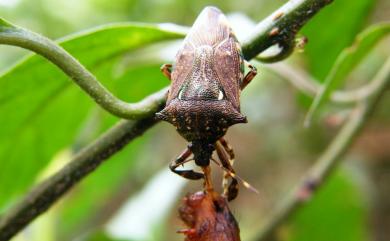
(203, 99)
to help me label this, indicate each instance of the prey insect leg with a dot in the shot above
(208, 185)
(166, 69)
(180, 160)
(249, 76)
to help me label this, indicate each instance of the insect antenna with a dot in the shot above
(234, 175)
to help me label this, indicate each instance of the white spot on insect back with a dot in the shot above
(181, 94)
(220, 95)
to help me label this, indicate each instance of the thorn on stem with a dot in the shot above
(307, 189)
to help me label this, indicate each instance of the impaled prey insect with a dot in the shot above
(203, 100)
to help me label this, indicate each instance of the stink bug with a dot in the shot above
(203, 100)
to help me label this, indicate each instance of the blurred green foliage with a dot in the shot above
(337, 212)
(332, 30)
(347, 60)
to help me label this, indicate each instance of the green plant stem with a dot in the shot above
(88, 159)
(332, 156)
(48, 192)
(16, 36)
(281, 28)
(309, 86)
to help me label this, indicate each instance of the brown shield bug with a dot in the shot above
(204, 97)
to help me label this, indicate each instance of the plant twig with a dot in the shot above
(42, 197)
(327, 162)
(48, 192)
(311, 87)
(281, 27)
(17, 36)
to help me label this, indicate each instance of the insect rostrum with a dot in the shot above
(204, 97)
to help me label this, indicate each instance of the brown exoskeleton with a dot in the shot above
(203, 100)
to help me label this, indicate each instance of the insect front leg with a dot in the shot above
(180, 160)
(249, 76)
(229, 190)
(166, 69)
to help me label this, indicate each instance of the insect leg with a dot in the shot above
(231, 190)
(249, 76)
(180, 160)
(231, 154)
(208, 185)
(228, 149)
(166, 70)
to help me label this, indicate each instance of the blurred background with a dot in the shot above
(133, 196)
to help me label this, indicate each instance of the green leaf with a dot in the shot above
(337, 212)
(332, 30)
(42, 110)
(347, 61)
(4, 23)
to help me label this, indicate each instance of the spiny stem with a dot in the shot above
(281, 27)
